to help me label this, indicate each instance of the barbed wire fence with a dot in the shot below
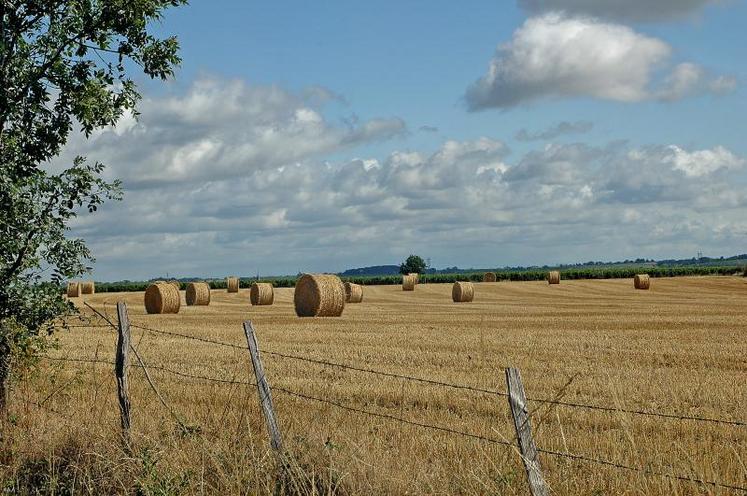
(532, 464)
(671, 416)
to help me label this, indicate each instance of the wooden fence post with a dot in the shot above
(518, 402)
(121, 367)
(265, 397)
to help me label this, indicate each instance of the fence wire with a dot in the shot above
(432, 382)
(337, 404)
(151, 366)
(436, 428)
(645, 471)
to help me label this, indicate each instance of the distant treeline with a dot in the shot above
(502, 275)
(639, 263)
(541, 274)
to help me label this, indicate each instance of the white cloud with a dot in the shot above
(628, 10)
(202, 209)
(688, 79)
(702, 162)
(223, 129)
(684, 79)
(555, 56)
(723, 84)
(313, 216)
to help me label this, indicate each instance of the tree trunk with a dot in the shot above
(5, 361)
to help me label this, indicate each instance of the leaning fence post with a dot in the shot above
(265, 397)
(121, 367)
(529, 455)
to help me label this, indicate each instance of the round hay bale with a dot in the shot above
(353, 293)
(319, 295)
(489, 277)
(73, 289)
(87, 287)
(176, 284)
(462, 292)
(642, 281)
(261, 293)
(408, 282)
(162, 297)
(198, 293)
(232, 284)
(553, 277)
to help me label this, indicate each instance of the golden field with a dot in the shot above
(679, 348)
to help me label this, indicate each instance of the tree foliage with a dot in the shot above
(414, 263)
(65, 65)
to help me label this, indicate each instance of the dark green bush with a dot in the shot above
(502, 275)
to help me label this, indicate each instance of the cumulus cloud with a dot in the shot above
(689, 79)
(560, 129)
(299, 215)
(282, 205)
(629, 10)
(224, 129)
(312, 216)
(555, 56)
(702, 162)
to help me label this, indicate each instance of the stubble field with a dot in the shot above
(679, 348)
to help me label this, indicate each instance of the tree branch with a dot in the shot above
(14, 268)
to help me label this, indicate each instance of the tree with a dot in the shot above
(64, 64)
(414, 263)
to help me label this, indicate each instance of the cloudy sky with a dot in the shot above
(306, 137)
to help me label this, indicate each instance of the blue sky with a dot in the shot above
(322, 137)
(414, 59)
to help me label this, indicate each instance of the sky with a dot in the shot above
(307, 137)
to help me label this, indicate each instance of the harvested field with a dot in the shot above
(679, 348)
